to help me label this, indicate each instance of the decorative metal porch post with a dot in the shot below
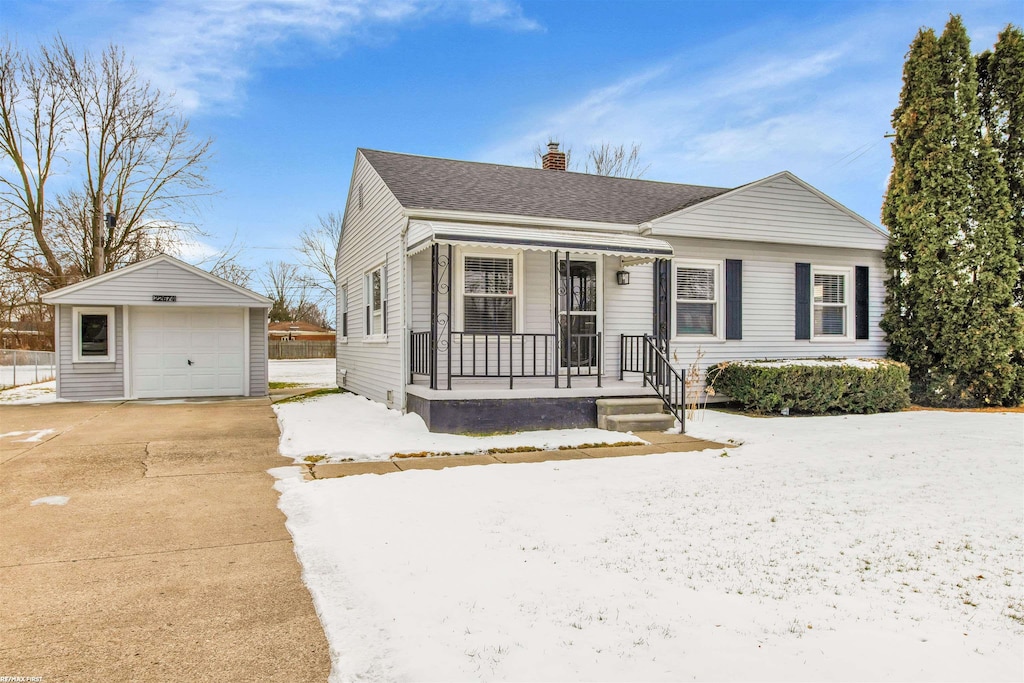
(662, 301)
(440, 283)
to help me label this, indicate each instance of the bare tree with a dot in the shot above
(318, 248)
(35, 124)
(226, 264)
(604, 159)
(292, 297)
(136, 164)
(615, 160)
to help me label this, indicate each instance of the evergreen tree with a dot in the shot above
(1001, 94)
(950, 313)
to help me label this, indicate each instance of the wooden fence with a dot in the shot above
(301, 349)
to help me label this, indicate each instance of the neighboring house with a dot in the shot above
(487, 297)
(291, 330)
(159, 328)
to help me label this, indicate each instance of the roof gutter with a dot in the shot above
(511, 219)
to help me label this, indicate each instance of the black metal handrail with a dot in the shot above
(640, 353)
(518, 354)
(419, 353)
(514, 356)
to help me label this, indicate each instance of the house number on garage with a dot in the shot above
(164, 297)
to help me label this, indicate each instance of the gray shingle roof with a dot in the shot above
(432, 183)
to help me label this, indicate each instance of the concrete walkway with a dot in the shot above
(170, 559)
(659, 442)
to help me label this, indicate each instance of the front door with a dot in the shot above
(579, 291)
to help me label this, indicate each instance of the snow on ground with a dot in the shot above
(316, 372)
(11, 375)
(347, 426)
(883, 547)
(44, 392)
(868, 363)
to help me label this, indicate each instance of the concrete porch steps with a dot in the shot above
(633, 415)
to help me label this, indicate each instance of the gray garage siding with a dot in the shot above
(89, 381)
(258, 376)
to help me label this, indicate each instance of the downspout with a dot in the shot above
(403, 305)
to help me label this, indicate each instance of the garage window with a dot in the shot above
(93, 334)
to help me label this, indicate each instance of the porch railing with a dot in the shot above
(466, 355)
(640, 353)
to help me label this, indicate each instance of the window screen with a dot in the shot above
(695, 301)
(488, 295)
(829, 304)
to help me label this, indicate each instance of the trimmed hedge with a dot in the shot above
(821, 387)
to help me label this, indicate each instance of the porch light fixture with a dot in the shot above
(622, 277)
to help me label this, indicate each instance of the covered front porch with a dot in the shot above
(525, 328)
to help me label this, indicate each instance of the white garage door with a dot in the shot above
(181, 352)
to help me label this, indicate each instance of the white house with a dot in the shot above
(159, 328)
(487, 297)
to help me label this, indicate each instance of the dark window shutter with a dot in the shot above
(862, 302)
(733, 299)
(369, 330)
(803, 301)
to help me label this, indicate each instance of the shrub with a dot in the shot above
(815, 386)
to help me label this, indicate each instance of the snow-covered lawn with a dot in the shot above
(884, 547)
(350, 427)
(44, 392)
(315, 372)
(11, 375)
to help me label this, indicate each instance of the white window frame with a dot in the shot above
(718, 267)
(343, 322)
(369, 335)
(517, 284)
(76, 334)
(848, 318)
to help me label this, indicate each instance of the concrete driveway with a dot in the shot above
(170, 559)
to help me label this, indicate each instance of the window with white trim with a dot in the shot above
(831, 302)
(375, 297)
(93, 334)
(698, 297)
(489, 294)
(343, 308)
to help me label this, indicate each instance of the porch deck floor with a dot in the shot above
(660, 442)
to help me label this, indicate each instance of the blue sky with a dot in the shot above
(717, 93)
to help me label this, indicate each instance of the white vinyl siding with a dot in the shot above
(371, 235)
(258, 371)
(628, 309)
(89, 381)
(162, 278)
(769, 290)
(779, 210)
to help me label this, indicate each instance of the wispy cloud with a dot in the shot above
(205, 51)
(795, 100)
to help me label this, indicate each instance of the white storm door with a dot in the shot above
(186, 352)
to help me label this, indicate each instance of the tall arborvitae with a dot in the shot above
(1001, 90)
(911, 205)
(950, 313)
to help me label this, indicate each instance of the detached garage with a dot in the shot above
(159, 329)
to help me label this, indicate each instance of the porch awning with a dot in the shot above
(633, 248)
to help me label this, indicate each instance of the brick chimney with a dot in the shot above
(553, 160)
